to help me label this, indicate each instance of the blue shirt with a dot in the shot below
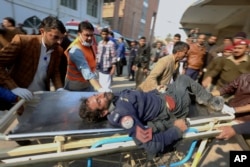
(120, 52)
(77, 57)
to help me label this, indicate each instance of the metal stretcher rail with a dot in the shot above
(47, 135)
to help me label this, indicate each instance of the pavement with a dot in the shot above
(121, 82)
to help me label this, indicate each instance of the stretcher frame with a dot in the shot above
(64, 149)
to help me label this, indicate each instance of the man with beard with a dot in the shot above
(106, 60)
(154, 120)
(81, 69)
(164, 69)
(142, 59)
(29, 62)
(196, 58)
(231, 67)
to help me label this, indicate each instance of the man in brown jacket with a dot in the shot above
(195, 57)
(29, 62)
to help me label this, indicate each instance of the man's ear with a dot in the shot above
(41, 30)
(104, 113)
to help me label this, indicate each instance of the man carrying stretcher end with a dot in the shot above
(155, 120)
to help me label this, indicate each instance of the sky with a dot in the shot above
(169, 16)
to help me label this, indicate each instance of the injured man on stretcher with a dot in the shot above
(154, 120)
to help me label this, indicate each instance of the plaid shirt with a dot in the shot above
(105, 53)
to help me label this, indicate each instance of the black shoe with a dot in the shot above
(132, 79)
(216, 103)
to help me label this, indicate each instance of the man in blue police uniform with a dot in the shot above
(153, 119)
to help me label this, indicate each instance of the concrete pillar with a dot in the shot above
(153, 27)
(116, 14)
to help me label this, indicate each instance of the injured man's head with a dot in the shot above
(96, 107)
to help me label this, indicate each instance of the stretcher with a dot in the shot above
(59, 135)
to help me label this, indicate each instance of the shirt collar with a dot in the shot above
(45, 48)
(245, 58)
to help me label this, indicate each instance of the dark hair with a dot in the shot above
(135, 41)
(86, 114)
(51, 22)
(180, 46)
(105, 30)
(143, 37)
(159, 42)
(11, 20)
(85, 25)
(111, 33)
(177, 35)
(240, 35)
(229, 38)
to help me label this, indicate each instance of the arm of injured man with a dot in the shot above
(153, 143)
(161, 142)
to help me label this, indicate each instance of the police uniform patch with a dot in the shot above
(127, 122)
(115, 118)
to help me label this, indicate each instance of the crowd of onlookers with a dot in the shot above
(30, 63)
(223, 69)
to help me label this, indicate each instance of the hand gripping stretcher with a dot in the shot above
(51, 120)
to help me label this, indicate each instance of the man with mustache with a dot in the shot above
(29, 62)
(231, 67)
(155, 120)
(81, 69)
(195, 57)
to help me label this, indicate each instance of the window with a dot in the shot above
(70, 4)
(92, 7)
(144, 13)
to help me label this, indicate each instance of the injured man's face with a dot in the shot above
(95, 107)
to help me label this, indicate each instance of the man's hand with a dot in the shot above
(112, 72)
(161, 88)
(207, 82)
(134, 68)
(104, 90)
(215, 93)
(226, 132)
(181, 124)
(23, 93)
(61, 90)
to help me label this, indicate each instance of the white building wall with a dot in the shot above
(20, 10)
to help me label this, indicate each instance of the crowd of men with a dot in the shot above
(168, 77)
